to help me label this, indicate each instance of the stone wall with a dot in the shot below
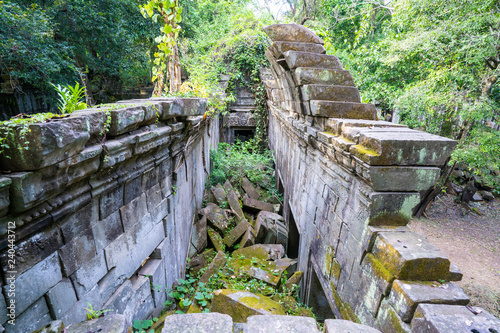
(101, 221)
(350, 183)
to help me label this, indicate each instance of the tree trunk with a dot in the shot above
(174, 70)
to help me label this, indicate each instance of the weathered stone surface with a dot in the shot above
(125, 119)
(216, 216)
(256, 204)
(320, 92)
(219, 194)
(242, 304)
(270, 228)
(4, 195)
(278, 48)
(56, 326)
(234, 203)
(31, 286)
(49, 143)
(339, 77)
(294, 280)
(3, 309)
(77, 312)
(262, 251)
(154, 269)
(455, 273)
(346, 326)
(409, 256)
(291, 33)
(198, 323)
(340, 126)
(76, 252)
(111, 323)
(401, 147)
(200, 261)
(60, 298)
(435, 318)
(405, 296)
(107, 230)
(91, 272)
(396, 179)
(183, 106)
(248, 238)
(235, 234)
(276, 323)
(296, 59)
(35, 317)
(389, 321)
(216, 239)
(228, 187)
(349, 110)
(219, 261)
(199, 235)
(392, 208)
(250, 189)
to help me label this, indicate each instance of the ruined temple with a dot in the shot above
(102, 221)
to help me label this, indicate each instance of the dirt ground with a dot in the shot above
(472, 242)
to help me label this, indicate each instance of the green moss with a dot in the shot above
(379, 269)
(386, 218)
(365, 151)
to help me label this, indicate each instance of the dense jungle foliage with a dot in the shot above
(431, 64)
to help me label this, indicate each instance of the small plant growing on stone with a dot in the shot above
(94, 314)
(142, 325)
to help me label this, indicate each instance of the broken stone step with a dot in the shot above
(350, 110)
(198, 323)
(276, 323)
(243, 304)
(405, 296)
(291, 33)
(236, 233)
(309, 75)
(409, 256)
(402, 147)
(338, 126)
(296, 59)
(437, 318)
(278, 48)
(320, 92)
(257, 205)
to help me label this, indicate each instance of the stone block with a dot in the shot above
(111, 323)
(339, 126)
(77, 251)
(77, 312)
(455, 273)
(125, 120)
(216, 216)
(402, 147)
(392, 208)
(395, 179)
(220, 194)
(119, 248)
(242, 304)
(338, 77)
(119, 300)
(261, 251)
(132, 190)
(351, 110)
(154, 270)
(35, 282)
(276, 323)
(405, 296)
(56, 326)
(231, 238)
(84, 163)
(34, 318)
(257, 205)
(49, 143)
(437, 318)
(320, 92)
(234, 203)
(199, 235)
(346, 326)
(4, 195)
(110, 202)
(3, 309)
(118, 151)
(198, 323)
(183, 106)
(248, 238)
(250, 190)
(389, 321)
(278, 48)
(216, 263)
(91, 272)
(228, 188)
(134, 212)
(60, 298)
(34, 249)
(107, 230)
(291, 33)
(296, 59)
(409, 256)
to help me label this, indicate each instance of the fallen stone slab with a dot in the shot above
(219, 261)
(250, 190)
(346, 326)
(292, 33)
(288, 324)
(220, 194)
(405, 296)
(437, 318)
(215, 216)
(409, 256)
(196, 264)
(216, 239)
(112, 323)
(248, 238)
(270, 228)
(199, 235)
(242, 304)
(235, 234)
(228, 188)
(234, 203)
(257, 205)
(198, 323)
(261, 251)
(294, 280)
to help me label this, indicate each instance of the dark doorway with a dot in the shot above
(243, 134)
(316, 298)
(292, 249)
